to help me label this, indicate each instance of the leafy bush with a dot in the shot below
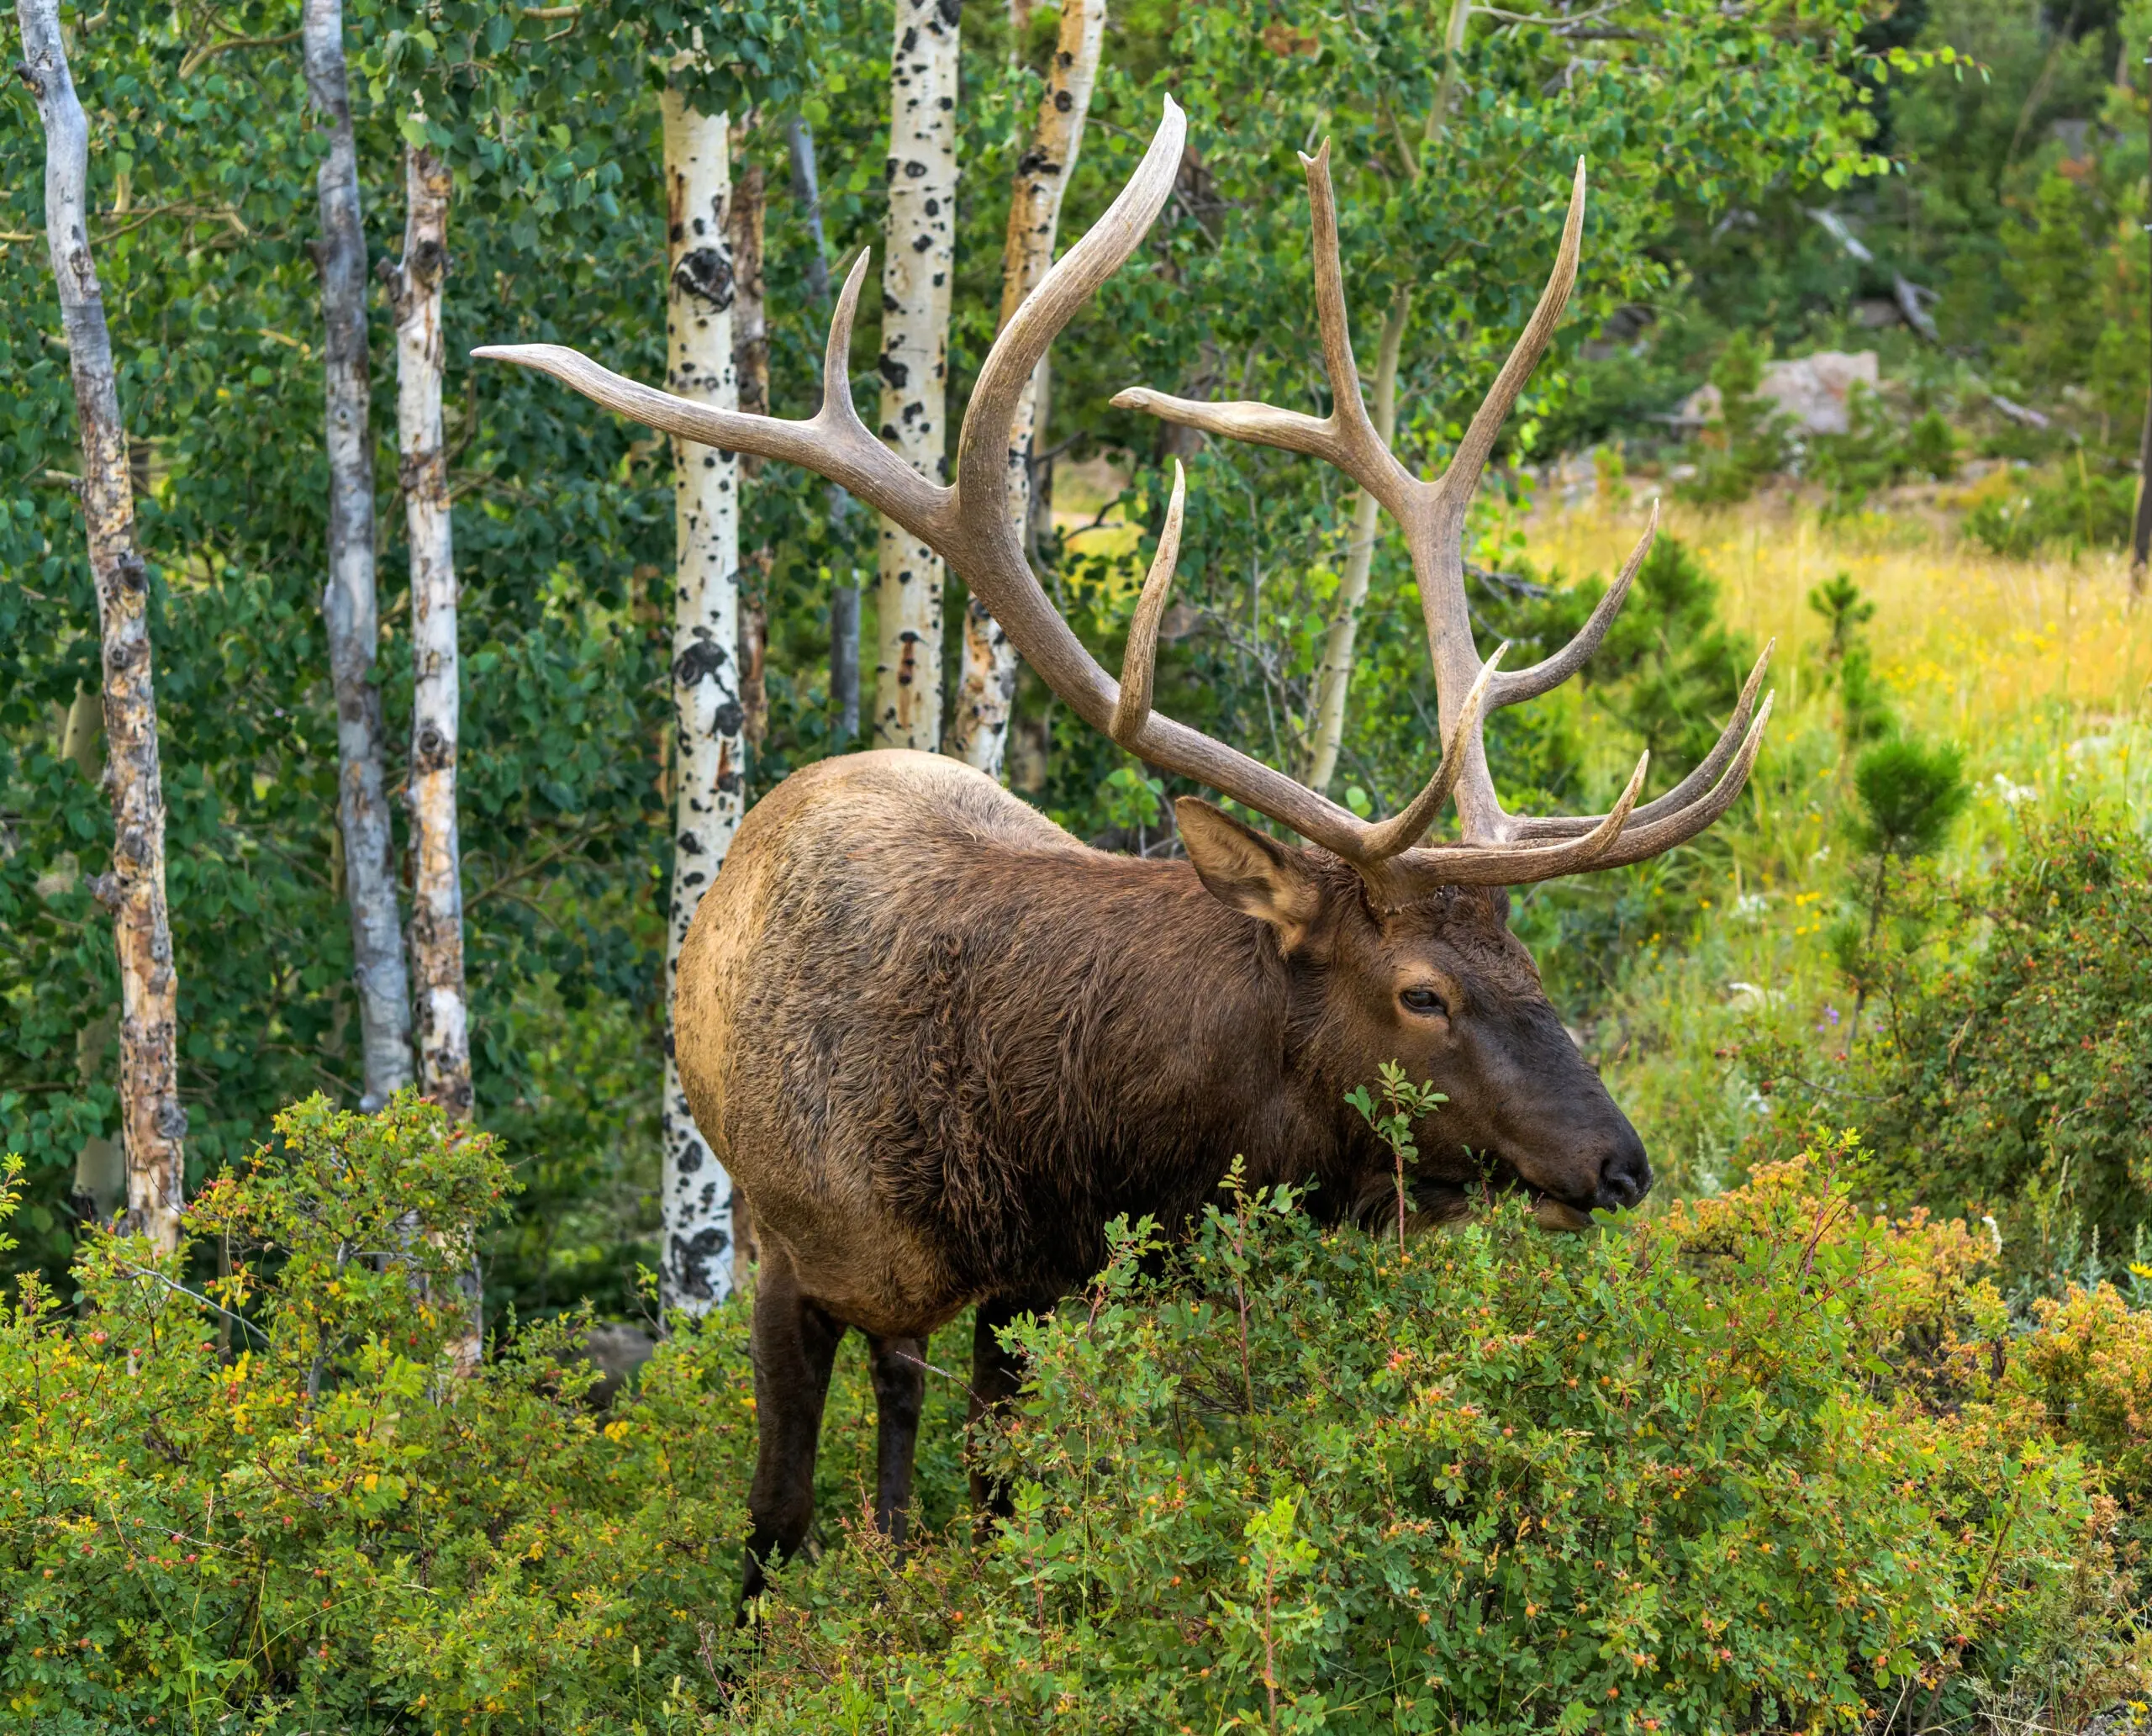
(324, 1526)
(2011, 1077)
(1749, 1464)
(2076, 508)
(1717, 1474)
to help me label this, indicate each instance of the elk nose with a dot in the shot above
(1624, 1176)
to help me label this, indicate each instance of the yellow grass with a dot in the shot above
(2039, 670)
(1965, 639)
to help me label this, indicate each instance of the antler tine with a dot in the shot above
(836, 351)
(1639, 842)
(834, 442)
(1705, 775)
(1410, 824)
(1463, 475)
(1139, 663)
(982, 447)
(1346, 438)
(1549, 674)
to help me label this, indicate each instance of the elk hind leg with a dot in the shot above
(899, 1371)
(795, 1344)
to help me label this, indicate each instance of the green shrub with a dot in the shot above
(2011, 1075)
(329, 1530)
(2076, 510)
(1706, 1475)
(1751, 1464)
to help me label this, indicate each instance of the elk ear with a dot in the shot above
(1249, 871)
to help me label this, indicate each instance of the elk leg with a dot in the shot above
(997, 1373)
(899, 1371)
(795, 1344)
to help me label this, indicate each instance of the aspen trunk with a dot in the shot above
(918, 260)
(436, 930)
(844, 589)
(348, 604)
(153, 1123)
(696, 1268)
(986, 687)
(1335, 679)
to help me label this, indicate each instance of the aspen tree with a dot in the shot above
(1334, 678)
(709, 788)
(751, 368)
(153, 1121)
(414, 286)
(436, 930)
(918, 260)
(986, 686)
(348, 605)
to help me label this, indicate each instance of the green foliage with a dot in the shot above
(1909, 795)
(2011, 1078)
(1403, 1104)
(1752, 1462)
(1877, 451)
(1721, 1473)
(320, 1525)
(1865, 713)
(2072, 509)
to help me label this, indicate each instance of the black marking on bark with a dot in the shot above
(706, 274)
(1064, 102)
(728, 718)
(697, 663)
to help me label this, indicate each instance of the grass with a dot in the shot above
(2038, 670)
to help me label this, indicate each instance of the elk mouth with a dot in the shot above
(1444, 1199)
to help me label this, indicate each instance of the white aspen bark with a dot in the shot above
(696, 1268)
(918, 260)
(152, 1120)
(436, 930)
(1335, 679)
(986, 685)
(348, 604)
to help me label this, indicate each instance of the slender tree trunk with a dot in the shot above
(696, 1268)
(1335, 679)
(436, 930)
(153, 1123)
(348, 604)
(844, 587)
(986, 688)
(750, 367)
(918, 260)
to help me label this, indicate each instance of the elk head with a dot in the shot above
(1399, 948)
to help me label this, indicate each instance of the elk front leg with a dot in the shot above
(900, 1369)
(795, 1344)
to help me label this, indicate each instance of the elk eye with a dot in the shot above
(1425, 1001)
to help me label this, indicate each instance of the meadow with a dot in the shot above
(2039, 671)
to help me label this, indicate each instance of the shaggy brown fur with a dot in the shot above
(939, 1045)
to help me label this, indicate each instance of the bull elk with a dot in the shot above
(940, 1044)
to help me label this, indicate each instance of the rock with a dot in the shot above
(1810, 391)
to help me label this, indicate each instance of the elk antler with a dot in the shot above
(969, 524)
